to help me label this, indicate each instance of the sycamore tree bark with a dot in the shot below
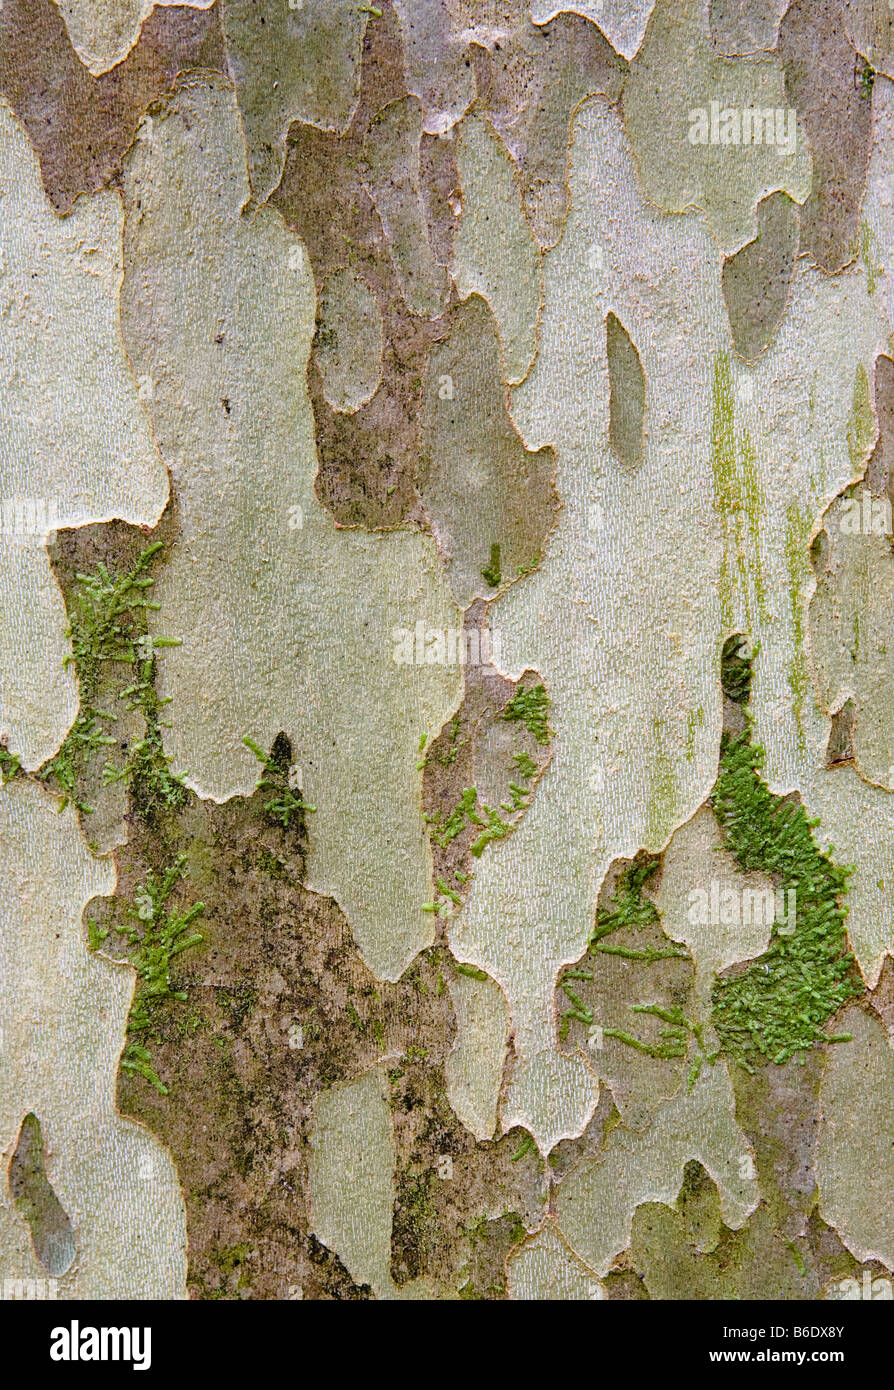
(447, 748)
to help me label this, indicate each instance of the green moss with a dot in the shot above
(526, 1145)
(492, 826)
(797, 530)
(735, 669)
(284, 804)
(494, 829)
(531, 706)
(727, 492)
(447, 756)
(154, 937)
(10, 765)
(456, 822)
(491, 571)
(694, 720)
(865, 74)
(777, 1006)
(470, 970)
(526, 765)
(868, 251)
(737, 498)
(628, 909)
(628, 906)
(416, 1230)
(663, 792)
(107, 628)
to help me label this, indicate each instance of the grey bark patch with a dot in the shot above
(51, 1230)
(479, 484)
(840, 748)
(291, 62)
(757, 279)
(627, 383)
(880, 468)
(745, 26)
(818, 63)
(348, 342)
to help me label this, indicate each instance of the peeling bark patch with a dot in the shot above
(391, 172)
(266, 690)
(104, 33)
(81, 125)
(529, 81)
(83, 453)
(745, 26)
(368, 460)
(869, 24)
(855, 1169)
(348, 342)
(291, 62)
(494, 251)
(692, 163)
(51, 1230)
(627, 402)
(479, 485)
(756, 280)
(818, 63)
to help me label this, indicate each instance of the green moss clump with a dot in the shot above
(10, 765)
(628, 906)
(531, 706)
(154, 937)
(491, 572)
(776, 1007)
(735, 669)
(108, 626)
(284, 804)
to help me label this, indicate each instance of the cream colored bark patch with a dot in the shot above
(75, 444)
(474, 1068)
(352, 1182)
(596, 1202)
(391, 170)
(103, 32)
(701, 128)
(545, 1269)
(291, 62)
(854, 1154)
(349, 341)
(494, 251)
(63, 1012)
(287, 623)
(623, 22)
